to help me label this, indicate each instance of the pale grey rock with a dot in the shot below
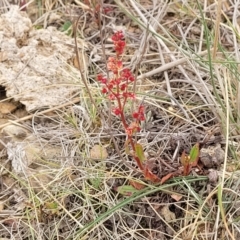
(36, 66)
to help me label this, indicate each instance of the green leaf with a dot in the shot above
(97, 181)
(67, 27)
(139, 152)
(194, 153)
(52, 207)
(126, 190)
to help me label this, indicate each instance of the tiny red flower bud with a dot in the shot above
(110, 86)
(106, 10)
(123, 87)
(139, 115)
(114, 65)
(117, 111)
(129, 95)
(131, 78)
(129, 131)
(104, 90)
(104, 81)
(119, 64)
(99, 77)
(119, 47)
(133, 128)
(141, 109)
(112, 97)
(118, 81)
(135, 115)
(117, 36)
(119, 42)
(127, 75)
(132, 95)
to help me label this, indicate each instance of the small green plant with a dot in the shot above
(191, 160)
(67, 28)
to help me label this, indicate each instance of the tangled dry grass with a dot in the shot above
(185, 57)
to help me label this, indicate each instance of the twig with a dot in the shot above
(167, 66)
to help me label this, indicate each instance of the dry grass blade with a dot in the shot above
(4, 5)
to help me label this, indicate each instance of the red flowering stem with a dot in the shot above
(125, 99)
(129, 137)
(122, 116)
(140, 165)
(125, 125)
(117, 89)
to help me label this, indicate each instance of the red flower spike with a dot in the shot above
(119, 42)
(117, 36)
(117, 91)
